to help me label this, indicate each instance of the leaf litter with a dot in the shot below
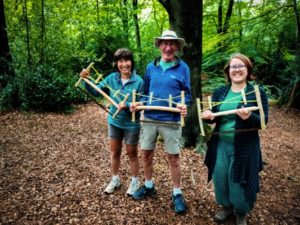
(54, 168)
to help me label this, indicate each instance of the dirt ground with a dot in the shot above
(54, 168)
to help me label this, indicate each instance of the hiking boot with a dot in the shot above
(241, 219)
(179, 204)
(144, 192)
(223, 214)
(113, 184)
(133, 187)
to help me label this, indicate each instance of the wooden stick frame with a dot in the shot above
(107, 97)
(181, 116)
(233, 111)
(261, 110)
(97, 88)
(88, 70)
(244, 96)
(160, 108)
(133, 102)
(209, 102)
(151, 97)
(123, 102)
(101, 92)
(223, 113)
(200, 117)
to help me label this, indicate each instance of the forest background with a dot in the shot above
(44, 44)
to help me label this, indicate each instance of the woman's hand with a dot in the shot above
(243, 113)
(122, 105)
(84, 73)
(207, 115)
(133, 106)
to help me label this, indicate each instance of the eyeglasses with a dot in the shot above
(237, 67)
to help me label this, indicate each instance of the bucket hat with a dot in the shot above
(169, 35)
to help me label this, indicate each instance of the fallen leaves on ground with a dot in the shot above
(54, 168)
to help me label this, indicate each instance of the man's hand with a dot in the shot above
(183, 109)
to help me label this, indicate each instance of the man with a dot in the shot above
(166, 75)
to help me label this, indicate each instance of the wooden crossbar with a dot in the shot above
(101, 92)
(160, 108)
(233, 111)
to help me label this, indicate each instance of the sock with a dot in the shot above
(134, 180)
(149, 184)
(115, 178)
(176, 191)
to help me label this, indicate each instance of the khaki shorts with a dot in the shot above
(171, 135)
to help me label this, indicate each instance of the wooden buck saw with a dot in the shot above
(223, 113)
(107, 97)
(160, 108)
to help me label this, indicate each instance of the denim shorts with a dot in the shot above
(171, 134)
(131, 137)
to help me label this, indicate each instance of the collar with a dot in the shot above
(157, 60)
(132, 76)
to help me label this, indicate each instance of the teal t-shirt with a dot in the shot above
(228, 121)
(166, 65)
(113, 83)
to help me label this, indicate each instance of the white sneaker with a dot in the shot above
(133, 187)
(113, 184)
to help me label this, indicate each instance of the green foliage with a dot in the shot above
(8, 97)
(79, 32)
(212, 83)
(273, 92)
(265, 31)
(45, 89)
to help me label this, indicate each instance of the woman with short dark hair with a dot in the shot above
(120, 83)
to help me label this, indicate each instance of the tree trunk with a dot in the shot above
(97, 11)
(228, 16)
(136, 25)
(297, 58)
(240, 21)
(82, 42)
(220, 17)
(5, 56)
(124, 18)
(42, 56)
(186, 20)
(296, 95)
(26, 19)
(224, 28)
